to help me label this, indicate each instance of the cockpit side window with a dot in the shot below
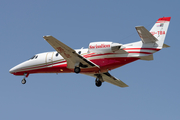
(79, 52)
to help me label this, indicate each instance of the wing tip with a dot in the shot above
(139, 26)
(46, 36)
(125, 86)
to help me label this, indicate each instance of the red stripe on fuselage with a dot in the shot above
(156, 49)
(139, 52)
(104, 63)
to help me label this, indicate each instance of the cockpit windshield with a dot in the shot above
(34, 57)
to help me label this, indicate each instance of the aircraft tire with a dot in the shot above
(77, 70)
(98, 83)
(23, 81)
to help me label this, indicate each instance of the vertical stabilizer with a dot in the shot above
(159, 30)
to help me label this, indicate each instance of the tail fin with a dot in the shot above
(159, 30)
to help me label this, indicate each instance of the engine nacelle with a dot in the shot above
(104, 47)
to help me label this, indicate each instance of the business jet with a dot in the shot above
(99, 58)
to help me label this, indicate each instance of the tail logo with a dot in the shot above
(161, 25)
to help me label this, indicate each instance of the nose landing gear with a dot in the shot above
(24, 80)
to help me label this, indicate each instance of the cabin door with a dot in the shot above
(49, 59)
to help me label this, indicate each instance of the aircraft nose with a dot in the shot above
(12, 70)
(15, 69)
(18, 68)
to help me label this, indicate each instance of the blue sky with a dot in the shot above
(153, 91)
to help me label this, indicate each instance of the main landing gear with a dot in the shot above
(98, 81)
(24, 80)
(77, 70)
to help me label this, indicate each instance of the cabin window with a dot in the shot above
(57, 54)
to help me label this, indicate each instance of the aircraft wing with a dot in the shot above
(110, 79)
(73, 59)
(145, 35)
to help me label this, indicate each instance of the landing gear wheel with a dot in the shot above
(23, 81)
(77, 70)
(98, 82)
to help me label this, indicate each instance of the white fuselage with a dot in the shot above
(53, 62)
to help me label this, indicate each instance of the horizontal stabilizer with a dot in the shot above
(145, 35)
(148, 58)
(165, 46)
